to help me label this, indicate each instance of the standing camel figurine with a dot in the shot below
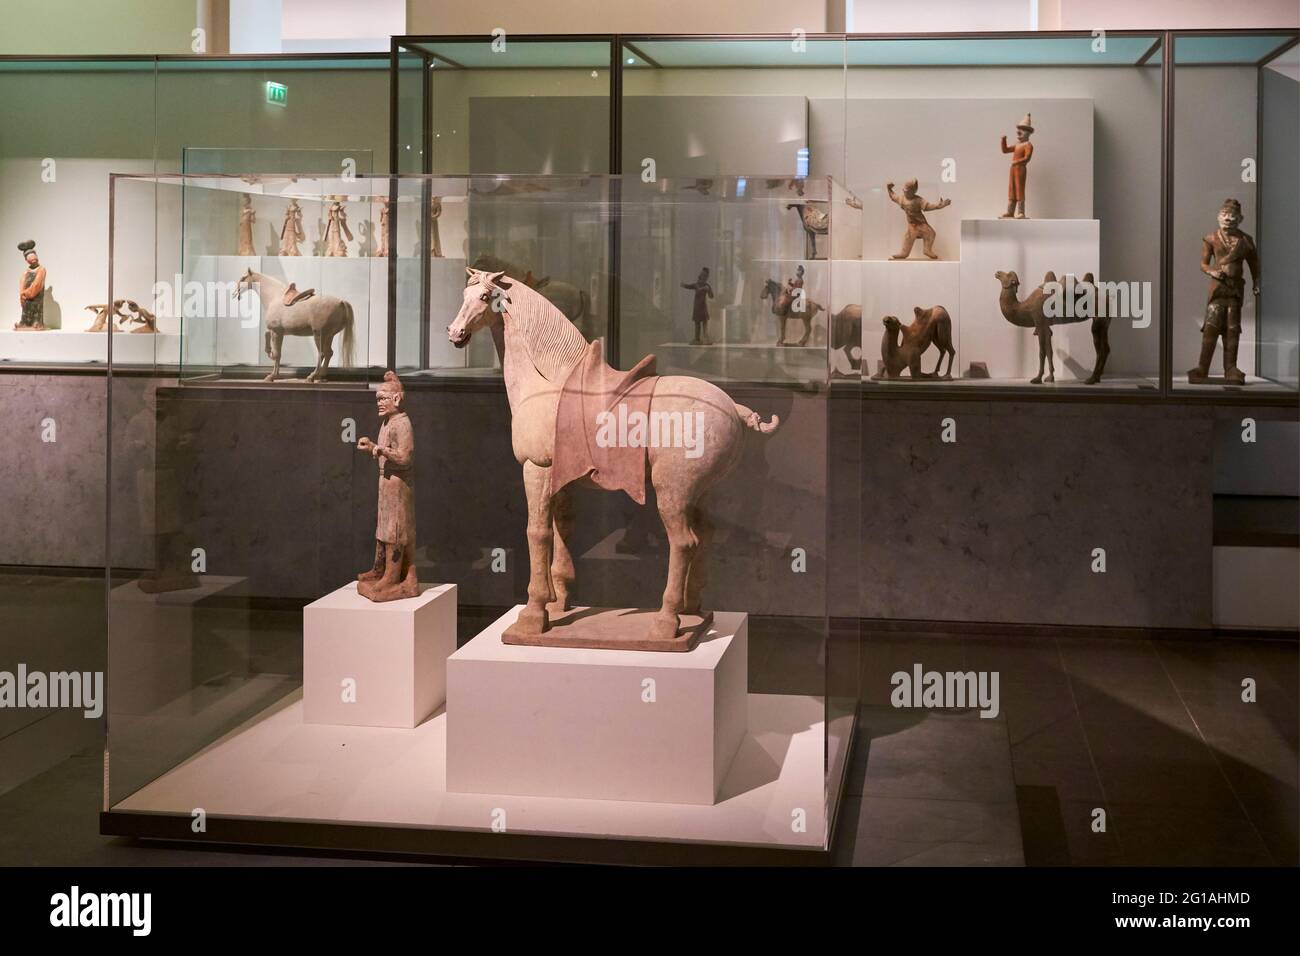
(815, 220)
(290, 312)
(1031, 314)
(786, 305)
(564, 405)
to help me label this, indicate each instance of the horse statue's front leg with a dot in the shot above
(533, 618)
(562, 570)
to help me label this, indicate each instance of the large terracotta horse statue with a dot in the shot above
(289, 311)
(568, 416)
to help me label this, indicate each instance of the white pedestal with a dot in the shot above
(567, 722)
(1030, 248)
(71, 347)
(394, 654)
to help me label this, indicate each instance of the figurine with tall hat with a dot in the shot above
(31, 290)
(1021, 152)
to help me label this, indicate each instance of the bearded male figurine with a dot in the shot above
(914, 209)
(393, 575)
(1224, 255)
(1021, 153)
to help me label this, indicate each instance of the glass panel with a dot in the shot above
(68, 124)
(1221, 340)
(1241, 49)
(952, 255)
(234, 509)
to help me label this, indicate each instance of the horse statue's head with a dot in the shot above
(484, 300)
(245, 282)
(771, 289)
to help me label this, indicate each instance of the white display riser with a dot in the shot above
(1030, 248)
(151, 643)
(69, 347)
(645, 726)
(277, 766)
(392, 657)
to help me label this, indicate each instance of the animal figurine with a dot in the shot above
(139, 314)
(785, 305)
(846, 342)
(290, 312)
(902, 346)
(815, 220)
(563, 399)
(102, 322)
(1031, 314)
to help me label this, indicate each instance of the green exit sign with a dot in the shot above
(277, 94)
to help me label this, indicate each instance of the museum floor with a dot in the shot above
(1153, 730)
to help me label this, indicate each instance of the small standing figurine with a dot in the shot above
(914, 209)
(1021, 154)
(435, 240)
(246, 219)
(700, 312)
(1224, 253)
(336, 231)
(31, 290)
(381, 233)
(393, 575)
(291, 232)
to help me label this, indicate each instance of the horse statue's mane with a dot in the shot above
(554, 343)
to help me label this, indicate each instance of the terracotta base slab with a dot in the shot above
(615, 629)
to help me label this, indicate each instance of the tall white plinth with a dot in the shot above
(377, 665)
(645, 726)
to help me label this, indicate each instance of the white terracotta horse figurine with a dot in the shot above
(289, 311)
(538, 348)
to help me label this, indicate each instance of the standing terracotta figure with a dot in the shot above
(393, 575)
(291, 232)
(435, 241)
(914, 208)
(246, 219)
(1021, 154)
(1223, 254)
(336, 231)
(700, 312)
(381, 233)
(31, 291)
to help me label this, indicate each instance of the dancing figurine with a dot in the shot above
(31, 290)
(336, 231)
(914, 209)
(246, 219)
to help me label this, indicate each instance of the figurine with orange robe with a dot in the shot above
(1021, 153)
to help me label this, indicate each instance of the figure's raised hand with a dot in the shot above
(365, 444)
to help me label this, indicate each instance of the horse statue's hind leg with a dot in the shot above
(683, 545)
(324, 352)
(1101, 344)
(562, 570)
(695, 574)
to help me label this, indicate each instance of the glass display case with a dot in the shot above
(84, 119)
(254, 686)
(1238, 334)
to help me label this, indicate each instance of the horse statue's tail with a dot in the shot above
(348, 336)
(751, 419)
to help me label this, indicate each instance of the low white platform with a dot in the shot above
(275, 765)
(65, 346)
(1256, 587)
(575, 722)
(392, 657)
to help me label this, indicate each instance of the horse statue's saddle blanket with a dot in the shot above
(292, 295)
(602, 426)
